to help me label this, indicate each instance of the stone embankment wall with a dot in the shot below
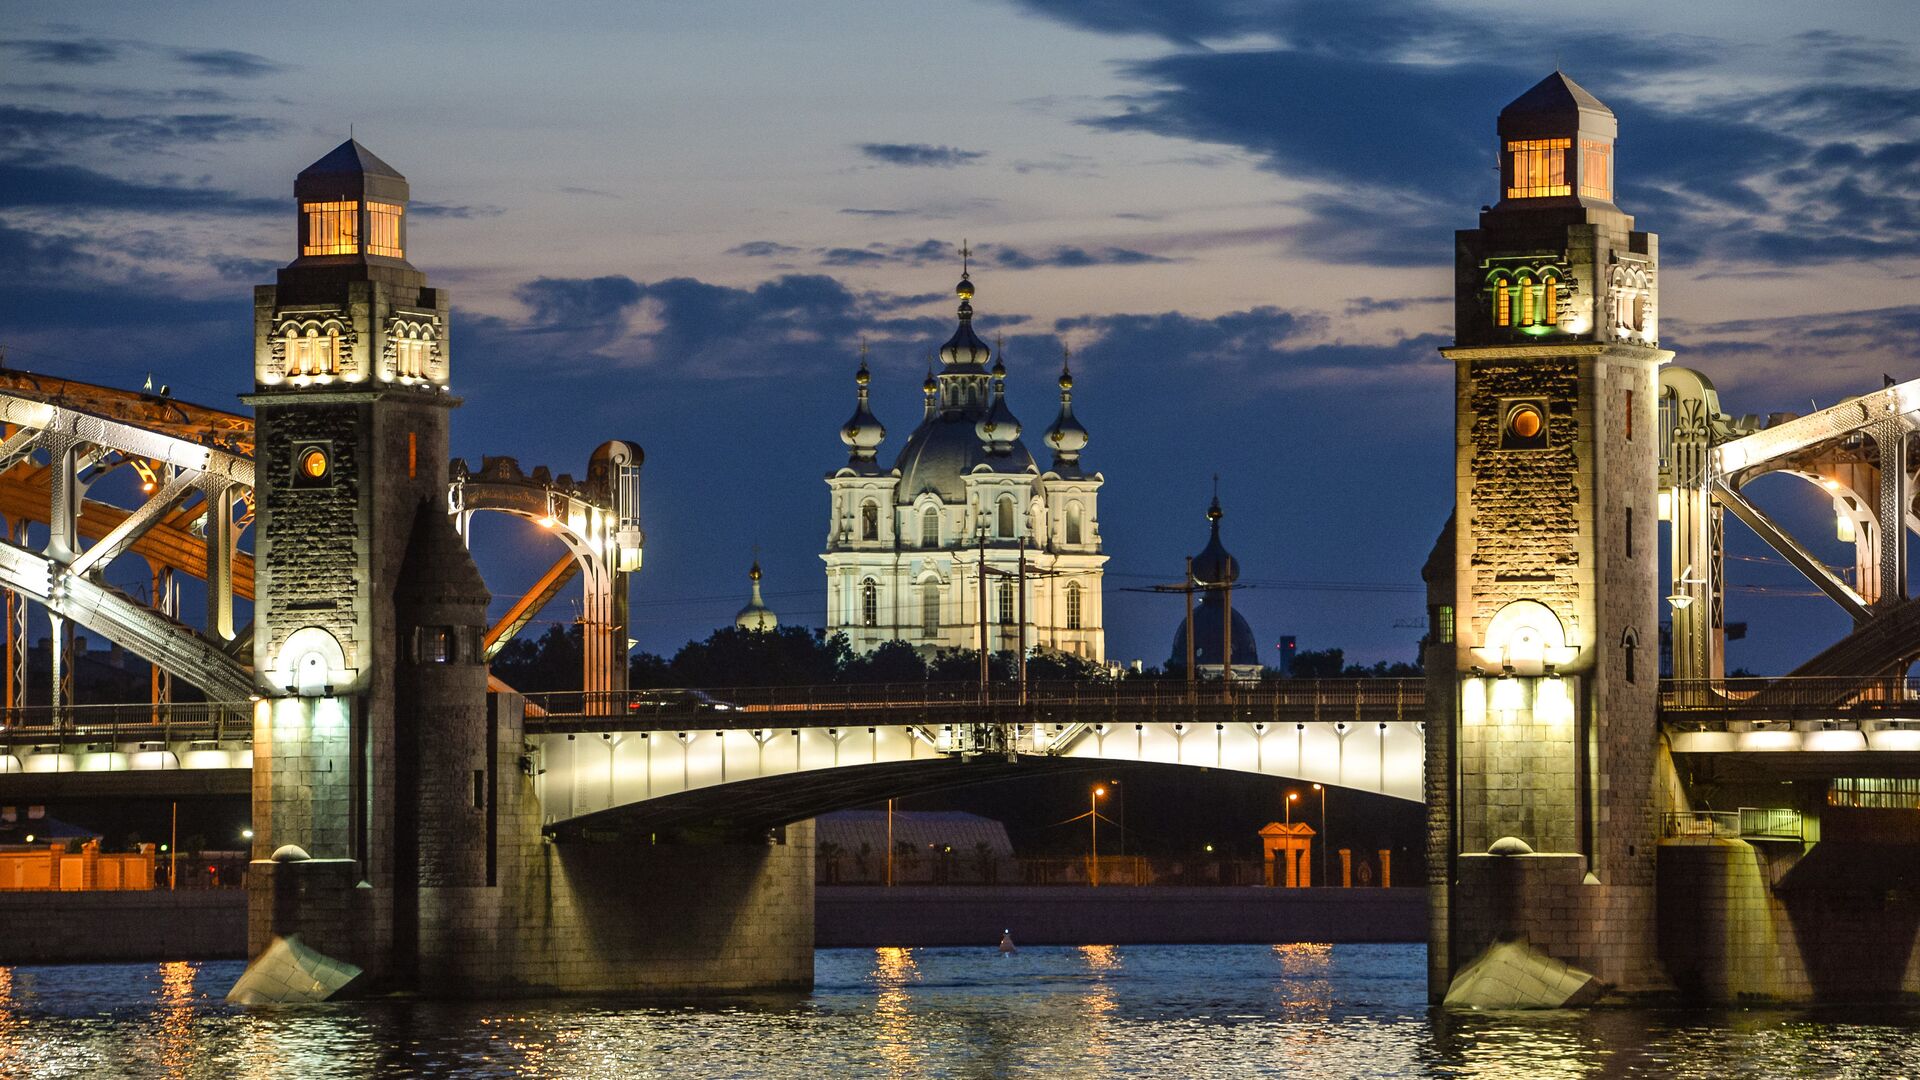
(862, 915)
(103, 927)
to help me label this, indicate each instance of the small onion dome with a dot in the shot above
(964, 290)
(998, 429)
(756, 616)
(862, 432)
(1213, 567)
(1066, 436)
(931, 390)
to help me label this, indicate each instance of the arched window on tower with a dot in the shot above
(1525, 285)
(310, 352)
(1502, 301)
(930, 609)
(869, 520)
(1073, 523)
(1549, 310)
(1629, 645)
(869, 603)
(1006, 602)
(1004, 519)
(332, 366)
(930, 527)
(1073, 605)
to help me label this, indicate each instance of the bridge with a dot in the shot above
(646, 759)
(421, 827)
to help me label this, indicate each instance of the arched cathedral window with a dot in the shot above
(869, 520)
(1006, 602)
(1073, 605)
(930, 528)
(930, 609)
(1004, 518)
(1073, 523)
(869, 603)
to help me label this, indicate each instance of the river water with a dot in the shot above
(1137, 1011)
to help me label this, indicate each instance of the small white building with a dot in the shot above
(907, 546)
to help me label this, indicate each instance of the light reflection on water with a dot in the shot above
(1174, 1011)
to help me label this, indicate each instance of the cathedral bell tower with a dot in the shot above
(1543, 656)
(351, 403)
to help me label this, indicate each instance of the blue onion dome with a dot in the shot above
(862, 432)
(1213, 567)
(1066, 436)
(998, 429)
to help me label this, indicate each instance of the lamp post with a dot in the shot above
(1323, 832)
(1093, 836)
(1292, 797)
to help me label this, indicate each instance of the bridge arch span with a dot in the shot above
(591, 778)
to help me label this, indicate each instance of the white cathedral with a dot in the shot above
(908, 546)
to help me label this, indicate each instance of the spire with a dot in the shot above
(862, 432)
(1066, 436)
(756, 616)
(999, 429)
(1213, 567)
(964, 352)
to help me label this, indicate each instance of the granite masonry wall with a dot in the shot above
(114, 927)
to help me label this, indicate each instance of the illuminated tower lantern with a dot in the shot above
(1542, 658)
(370, 752)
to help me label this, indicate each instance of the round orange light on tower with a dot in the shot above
(314, 463)
(1525, 421)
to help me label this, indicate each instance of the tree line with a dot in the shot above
(806, 656)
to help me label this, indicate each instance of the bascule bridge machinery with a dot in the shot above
(183, 503)
(1857, 453)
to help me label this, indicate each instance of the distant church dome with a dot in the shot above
(1213, 570)
(756, 616)
(968, 423)
(862, 432)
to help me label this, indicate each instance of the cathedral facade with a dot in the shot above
(964, 536)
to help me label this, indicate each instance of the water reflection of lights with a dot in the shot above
(1101, 1002)
(894, 971)
(1305, 982)
(175, 1016)
(1101, 958)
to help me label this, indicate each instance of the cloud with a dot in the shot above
(762, 249)
(875, 213)
(596, 192)
(1067, 257)
(920, 154)
(75, 188)
(70, 53)
(199, 95)
(1855, 348)
(843, 256)
(1365, 103)
(227, 63)
(1367, 305)
(23, 128)
(453, 210)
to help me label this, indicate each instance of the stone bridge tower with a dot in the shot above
(1543, 656)
(351, 405)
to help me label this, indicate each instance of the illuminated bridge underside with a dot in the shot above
(773, 776)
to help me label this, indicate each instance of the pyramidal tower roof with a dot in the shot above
(350, 159)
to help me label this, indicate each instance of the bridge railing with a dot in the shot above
(1319, 699)
(1745, 823)
(210, 721)
(1716, 702)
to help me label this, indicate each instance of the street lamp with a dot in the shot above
(1323, 832)
(1093, 835)
(1292, 797)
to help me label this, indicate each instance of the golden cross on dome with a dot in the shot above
(965, 254)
